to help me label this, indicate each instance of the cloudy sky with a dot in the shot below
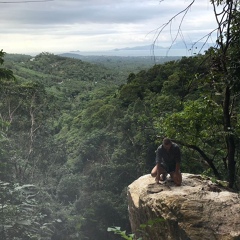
(97, 25)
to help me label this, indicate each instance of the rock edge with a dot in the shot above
(197, 210)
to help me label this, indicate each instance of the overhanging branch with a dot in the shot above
(202, 153)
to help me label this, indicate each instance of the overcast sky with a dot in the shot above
(97, 25)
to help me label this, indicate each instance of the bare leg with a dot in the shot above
(177, 177)
(162, 173)
(154, 171)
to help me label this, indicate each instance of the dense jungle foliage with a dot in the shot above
(74, 135)
(66, 155)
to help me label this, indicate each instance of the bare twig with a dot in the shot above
(160, 29)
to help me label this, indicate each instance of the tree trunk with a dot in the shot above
(229, 138)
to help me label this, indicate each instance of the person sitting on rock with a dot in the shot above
(168, 159)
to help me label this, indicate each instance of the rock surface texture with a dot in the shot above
(197, 210)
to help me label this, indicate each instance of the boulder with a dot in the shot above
(197, 210)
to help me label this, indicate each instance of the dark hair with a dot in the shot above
(167, 141)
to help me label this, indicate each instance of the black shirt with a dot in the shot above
(168, 159)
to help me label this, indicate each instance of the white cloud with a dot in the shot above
(64, 25)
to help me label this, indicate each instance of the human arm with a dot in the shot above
(177, 169)
(177, 176)
(177, 157)
(158, 158)
(157, 178)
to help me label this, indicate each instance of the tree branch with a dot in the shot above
(160, 29)
(201, 152)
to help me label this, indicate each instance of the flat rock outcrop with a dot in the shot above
(197, 210)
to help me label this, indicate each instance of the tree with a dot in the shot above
(6, 76)
(4, 73)
(228, 71)
(225, 69)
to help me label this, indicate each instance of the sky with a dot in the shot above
(57, 26)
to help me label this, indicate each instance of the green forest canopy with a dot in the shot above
(75, 134)
(81, 137)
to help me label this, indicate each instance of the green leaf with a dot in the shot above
(24, 222)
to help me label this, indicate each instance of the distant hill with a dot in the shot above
(191, 45)
(177, 45)
(177, 49)
(146, 47)
(122, 64)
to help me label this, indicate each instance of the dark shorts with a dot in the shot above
(168, 169)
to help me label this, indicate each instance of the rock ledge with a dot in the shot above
(197, 210)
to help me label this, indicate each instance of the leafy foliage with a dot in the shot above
(117, 230)
(81, 134)
(20, 216)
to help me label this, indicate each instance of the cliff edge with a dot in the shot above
(197, 210)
